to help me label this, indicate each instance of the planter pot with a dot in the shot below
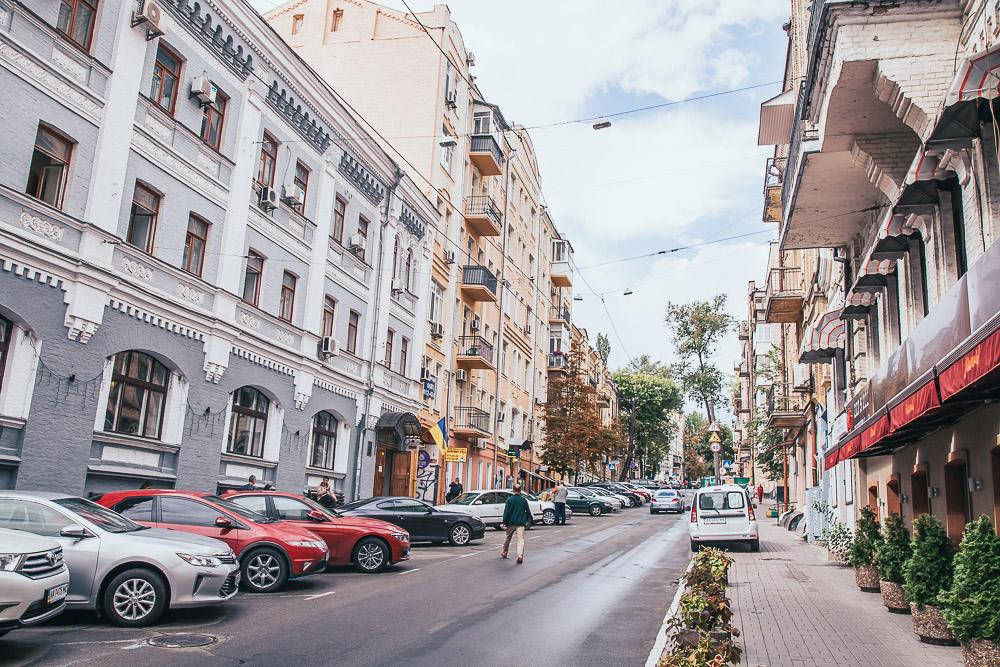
(867, 578)
(929, 625)
(894, 597)
(981, 653)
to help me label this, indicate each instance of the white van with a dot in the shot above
(723, 514)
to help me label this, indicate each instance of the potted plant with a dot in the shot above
(971, 606)
(928, 572)
(891, 555)
(866, 539)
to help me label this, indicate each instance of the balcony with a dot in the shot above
(784, 296)
(483, 215)
(478, 283)
(785, 408)
(470, 422)
(774, 176)
(560, 271)
(474, 352)
(559, 314)
(603, 400)
(485, 153)
(558, 362)
(744, 332)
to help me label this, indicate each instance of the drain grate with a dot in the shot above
(182, 640)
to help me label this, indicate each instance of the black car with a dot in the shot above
(423, 522)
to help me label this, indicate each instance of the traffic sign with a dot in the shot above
(716, 447)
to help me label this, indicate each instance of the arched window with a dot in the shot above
(248, 422)
(395, 259)
(137, 396)
(408, 278)
(324, 440)
(6, 333)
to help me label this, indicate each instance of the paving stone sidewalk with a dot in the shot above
(796, 608)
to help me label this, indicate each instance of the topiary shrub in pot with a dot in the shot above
(971, 606)
(862, 556)
(890, 557)
(928, 572)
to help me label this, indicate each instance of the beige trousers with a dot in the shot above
(511, 531)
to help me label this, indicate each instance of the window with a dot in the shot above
(339, 210)
(194, 245)
(166, 74)
(301, 184)
(363, 233)
(329, 316)
(251, 280)
(142, 220)
(253, 503)
(733, 500)
(481, 122)
(137, 396)
(389, 337)
(437, 302)
(395, 259)
(410, 505)
(287, 305)
(212, 117)
(17, 514)
(324, 440)
(297, 23)
(49, 166)
(404, 352)
(185, 512)
(76, 21)
(248, 422)
(447, 150)
(408, 267)
(335, 19)
(6, 333)
(290, 509)
(268, 161)
(352, 332)
(137, 509)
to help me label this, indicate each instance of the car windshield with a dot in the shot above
(111, 521)
(239, 510)
(721, 500)
(316, 506)
(586, 492)
(466, 499)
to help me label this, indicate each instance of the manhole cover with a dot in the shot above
(185, 640)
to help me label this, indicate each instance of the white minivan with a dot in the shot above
(723, 514)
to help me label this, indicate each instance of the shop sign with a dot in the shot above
(455, 454)
(430, 387)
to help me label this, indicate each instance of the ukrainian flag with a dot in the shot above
(440, 434)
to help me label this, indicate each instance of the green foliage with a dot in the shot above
(697, 327)
(713, 561)
(835, 536)
(695, 432)
(971, 607)
(866, 539)
(929, 568)
(893, 551)
(646, 405)
(603, 348)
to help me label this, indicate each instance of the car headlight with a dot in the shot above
(401, 536)
(10, 562)
(310, 544)
(200, 561)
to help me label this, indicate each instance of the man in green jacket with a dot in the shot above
(516, 515)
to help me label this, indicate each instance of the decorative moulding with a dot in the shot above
(134, 268)
(308, 128)
(214, 372)
(249, 319)
(51, 83)
(184, 171)
(209, 30)
(189, 293)
(155, 320)
(41, 227)
(283, 336)
(68, 65)
(369, 185)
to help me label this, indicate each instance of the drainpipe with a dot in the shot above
(369, 381)
(503, 293)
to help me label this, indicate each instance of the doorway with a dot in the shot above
(956, 495)
(892, 503)
(919, 493)
(392, 472)
(873, 500)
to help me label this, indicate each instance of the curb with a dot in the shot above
(661, 637)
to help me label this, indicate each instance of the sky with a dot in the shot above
(682, 175)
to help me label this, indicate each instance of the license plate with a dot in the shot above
(714, 520)
(56, 594)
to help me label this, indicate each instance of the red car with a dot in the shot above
(270, 552)
(369, 544)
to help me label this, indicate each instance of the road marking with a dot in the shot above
(661, 636)
(318, 595)
(469, 554)
(408, 571)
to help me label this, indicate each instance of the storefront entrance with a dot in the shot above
(397, 436)
(392, 471)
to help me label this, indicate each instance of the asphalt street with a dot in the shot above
(593, 592)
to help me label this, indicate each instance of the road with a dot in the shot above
(593, 592)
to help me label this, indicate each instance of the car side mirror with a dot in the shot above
(75, 531)
(223, 522)
(314, 515)
(477, 502)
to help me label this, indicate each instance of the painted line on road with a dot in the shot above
(661, 637)
(318, 595)
(416, 569)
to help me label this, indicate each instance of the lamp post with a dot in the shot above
(715, 443)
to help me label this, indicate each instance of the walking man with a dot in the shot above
(516, 515)
(559, 495)
(760, 493)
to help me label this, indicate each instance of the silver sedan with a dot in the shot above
(667, 500)
(129, 572)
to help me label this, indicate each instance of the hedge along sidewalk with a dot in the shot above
(796, 608)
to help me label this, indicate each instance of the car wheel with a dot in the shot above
(135, 598)
(264, 570)
(549, 517)
(695, 546)
(460, 534)
(595, 510)
(370, 555)
(755, 545)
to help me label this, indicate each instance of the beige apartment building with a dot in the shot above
(499, 264)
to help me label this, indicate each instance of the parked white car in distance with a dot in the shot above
(34, 580)
(488, 505)
(722, 514)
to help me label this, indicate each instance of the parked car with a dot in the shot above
(424, 522)
(34, 580)
(593, 506)
(488, 505)
(369, 544)
(636, 499)
(644, 493)
(127, 571)
(617, 502)
(667, 500)
(548, 509)
(722, 514)
(270, 552)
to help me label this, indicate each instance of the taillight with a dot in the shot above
(753, 517)
(694, 512)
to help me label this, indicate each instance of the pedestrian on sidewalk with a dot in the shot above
(454, 490)
(559, 495)
(516, 515)
(760, 493)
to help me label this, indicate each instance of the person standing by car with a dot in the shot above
(559, 495)
(516, 515)
(454, 490)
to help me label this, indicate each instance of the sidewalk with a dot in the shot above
(796, 608)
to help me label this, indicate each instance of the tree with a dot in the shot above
(646, 404)
(697, 328)
(603, 348)
(696, 435)
(575, 437)
(644, 364)
(695, 431)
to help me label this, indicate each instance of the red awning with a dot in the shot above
(850, 448)
(822, 339)
(875, 432)
(973, 365)
(914, 406)
(927, 167)
(831, 459)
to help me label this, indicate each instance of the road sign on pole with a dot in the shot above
(715, 447)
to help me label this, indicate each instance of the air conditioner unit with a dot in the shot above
(397, 286)
(357, 242)
(425, 373)
(461, 375)
(327, 347)
(451, 99)
(474, 325)
(527, 329)
(449, 256)
(147, 15)
(437, 330)
(290, 195)
(267, 198)
(203, 90)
